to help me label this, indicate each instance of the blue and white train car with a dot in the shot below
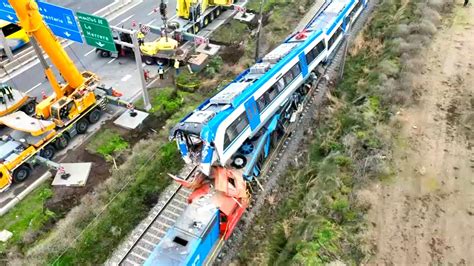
(236, 127)
(191, 239)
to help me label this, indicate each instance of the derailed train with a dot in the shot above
(232, 133)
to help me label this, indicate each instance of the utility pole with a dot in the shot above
(259, 29)
(6, 47)
(138, 60)
(163, 7)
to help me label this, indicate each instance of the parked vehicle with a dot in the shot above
(15, 36)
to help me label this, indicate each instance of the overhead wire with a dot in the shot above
(105, 207)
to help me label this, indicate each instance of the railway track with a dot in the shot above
(159, 221)
(149, 234)
(288, 148)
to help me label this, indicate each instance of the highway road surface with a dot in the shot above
(119, 73)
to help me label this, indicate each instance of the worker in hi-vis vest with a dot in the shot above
(161, 71)
(140, 38)
(176, 66)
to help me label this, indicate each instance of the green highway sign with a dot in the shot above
(96, 31)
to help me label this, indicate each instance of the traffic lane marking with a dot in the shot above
(151, 22)
(127, 77)
(151, 12)
(111, 60)
(124, 20)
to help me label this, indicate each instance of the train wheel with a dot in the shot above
(94, 116)
(21, 174)
(82, 126)
(48, 152)
(62, 142)
(247, 148)
(239, 161)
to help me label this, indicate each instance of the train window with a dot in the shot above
(321, 47)
(356, 8)
(315, 52)
(288, 77)
(336, 35)
(180, 241)
(226, 140)
(235, 129)
(261, 103)
(310, 57)
(347, 21)
(272, 93)
(280, 84)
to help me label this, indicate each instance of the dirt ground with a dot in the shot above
(64, 198)
(425, 214)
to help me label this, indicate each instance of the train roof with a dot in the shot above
(331, 15)
(190, 228)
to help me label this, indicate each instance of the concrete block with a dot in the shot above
(244, 17)
(79, 173)
(127, 121)
(209, 49)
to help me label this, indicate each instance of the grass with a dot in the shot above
(107, 142)
(146, 169)
(128, 209)
(165, 101)
(29, 215)
(233, 32)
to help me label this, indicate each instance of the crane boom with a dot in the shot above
(32, 22)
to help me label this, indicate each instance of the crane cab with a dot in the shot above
(68, 108)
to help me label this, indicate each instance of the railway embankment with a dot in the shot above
(318, 211)
(138, 164)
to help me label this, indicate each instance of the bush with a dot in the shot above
(213, 67)
(165, 102)
(187, 81)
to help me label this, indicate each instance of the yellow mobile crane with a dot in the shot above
(194, 9)
(200, 12)
(61, 116)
